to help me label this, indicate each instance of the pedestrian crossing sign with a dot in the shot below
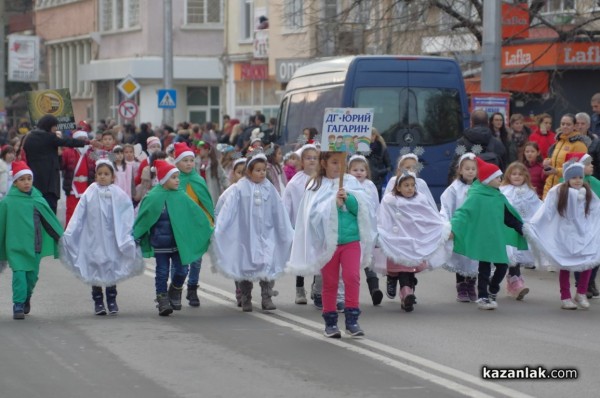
(167, 99)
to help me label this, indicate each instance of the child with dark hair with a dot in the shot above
(103, 222)
(275, 172)
(29, 230)
(7, 156)
(253, 234)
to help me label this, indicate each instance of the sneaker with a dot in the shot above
(317, 301)
(18, 311)
(332, 331)
(392, 287)
(492, 296)
(582, 301)
(568, 304)
(485, 303)
(340, 306)
(300, 296)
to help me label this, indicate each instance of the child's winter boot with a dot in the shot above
(300, 295)
(238, 294)
(111, 300)
(471, 289)
(18, 311)
(175, 296)
(98, 298)
(373, 284)
(331, 327)
(392, 286)
(246, 289)
(462, 292)
(192, 296)
(164, 304)
(407, 298)
(352, 327)
(515, 286)
(266, 292)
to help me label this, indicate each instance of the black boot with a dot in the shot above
(192, 296)
(98, 298)
(27, 306)
(246, 290)
(331, 327)
(164, 305)
(373, 283)
(111, 300)
(175, 296)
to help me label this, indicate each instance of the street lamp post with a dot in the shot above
(168, 114)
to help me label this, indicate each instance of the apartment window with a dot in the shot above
(203, 104)
(558, 6)
(247, 31)
(409, 14)
(119, 14)
(52, 3)
(64, 59)
(293, 13)
(204, 12)
(462, 7)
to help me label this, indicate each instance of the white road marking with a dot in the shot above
(293, 322)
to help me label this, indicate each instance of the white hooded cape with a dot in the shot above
(98, 245)
(316, 234)
(293, 194)
(526, 202)
(422, 188)
(570, 242)
(452, 198)
(253, 234)
(411, 232)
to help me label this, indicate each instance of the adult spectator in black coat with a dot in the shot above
(379, 160)
(142, 137)
(479, 133)
(41, 152)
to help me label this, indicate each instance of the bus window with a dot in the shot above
(414, 115)
(307, 108)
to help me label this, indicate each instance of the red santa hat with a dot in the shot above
(80, 135)
(19, 169)
(182, 150)
(164, 170)
(153, 140)
(486, 172)
(580, 157)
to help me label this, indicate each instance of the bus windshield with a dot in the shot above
(307, 108)
(413, 115)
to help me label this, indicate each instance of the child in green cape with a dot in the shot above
(29, 230)
(195, 187)
(173, 229)
(482, 227)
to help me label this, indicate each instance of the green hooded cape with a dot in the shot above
(17, 232)
(200, 189)
(190, 225)
(479, 229)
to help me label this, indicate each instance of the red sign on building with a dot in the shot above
(254, 72)
(515, 21)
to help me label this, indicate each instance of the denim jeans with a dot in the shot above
(194, 272)
(164, 262)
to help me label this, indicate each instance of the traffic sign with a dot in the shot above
(128, 86)
(167, 99)
(128, 109)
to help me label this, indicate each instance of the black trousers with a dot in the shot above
(52, 200)
(483, 279)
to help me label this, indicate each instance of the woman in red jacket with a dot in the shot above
(542, 134)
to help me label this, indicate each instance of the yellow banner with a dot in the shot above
(53, 102)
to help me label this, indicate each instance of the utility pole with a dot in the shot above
(168, 114)
(491, 48)
(2, 53)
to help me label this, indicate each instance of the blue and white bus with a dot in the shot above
(417, 101)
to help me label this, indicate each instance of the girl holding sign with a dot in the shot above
(334, 229)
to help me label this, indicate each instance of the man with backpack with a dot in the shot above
(492, 150)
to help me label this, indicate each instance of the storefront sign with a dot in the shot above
(549, 55)
(252, 71)
(285, 68)
(54, 102)
(515, 21)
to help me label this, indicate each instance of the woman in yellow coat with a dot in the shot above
(568, 140)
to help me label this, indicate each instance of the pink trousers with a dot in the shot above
(347, 257)
(565, 284)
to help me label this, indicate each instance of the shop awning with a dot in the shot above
(532, 82)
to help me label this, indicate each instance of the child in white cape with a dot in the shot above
(412, 235)
(98, 245)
